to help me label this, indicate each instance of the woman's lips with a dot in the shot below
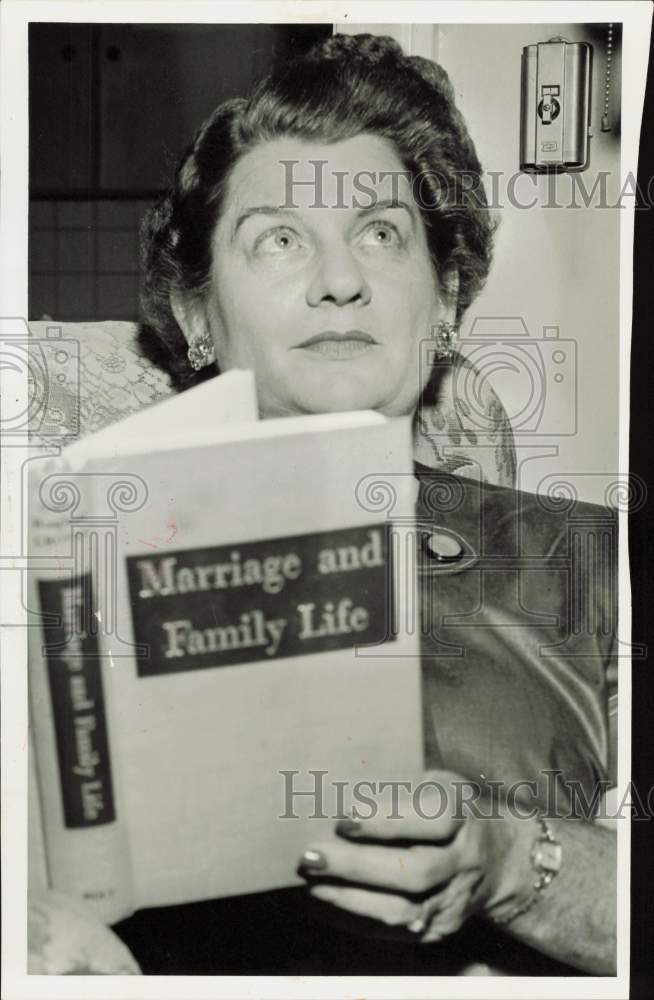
(337, 346)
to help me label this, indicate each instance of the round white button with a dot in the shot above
(443, 547)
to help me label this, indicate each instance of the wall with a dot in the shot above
(84, 259)
(554, 266)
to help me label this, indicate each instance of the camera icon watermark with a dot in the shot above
(535, 377)
(40, 380)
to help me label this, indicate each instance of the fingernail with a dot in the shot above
(417, 926)
(350, 827)
(315, 860)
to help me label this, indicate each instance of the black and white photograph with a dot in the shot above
(318, 330)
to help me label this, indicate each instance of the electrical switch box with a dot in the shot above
(555, 110)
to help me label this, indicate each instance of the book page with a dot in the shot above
(230, 399)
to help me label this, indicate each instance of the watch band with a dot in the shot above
(546, 858)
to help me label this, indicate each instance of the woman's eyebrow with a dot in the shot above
(259, 210)
(383, 203)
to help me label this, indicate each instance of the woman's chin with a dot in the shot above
(331, 391)
(335, 401)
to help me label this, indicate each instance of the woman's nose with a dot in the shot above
(339, 279)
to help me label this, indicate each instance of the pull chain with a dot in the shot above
(606, 125)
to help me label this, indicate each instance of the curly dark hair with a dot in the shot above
(344, 86)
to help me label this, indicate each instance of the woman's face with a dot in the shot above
(322, 281)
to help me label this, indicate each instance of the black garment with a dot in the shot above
(519, 655)
(289, 933)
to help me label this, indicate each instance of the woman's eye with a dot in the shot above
(381, 234)
(279, 240)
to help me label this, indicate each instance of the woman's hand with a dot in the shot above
(427, 874)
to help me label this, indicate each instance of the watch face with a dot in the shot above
(547, 855)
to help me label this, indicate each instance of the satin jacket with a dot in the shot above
(519, 639)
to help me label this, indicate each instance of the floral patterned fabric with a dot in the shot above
(65, 938)
(463, 427)
(91, 375)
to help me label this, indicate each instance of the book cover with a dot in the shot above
(221, 667)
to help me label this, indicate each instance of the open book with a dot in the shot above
(223, 617)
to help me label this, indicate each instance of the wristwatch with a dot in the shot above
(546, 858)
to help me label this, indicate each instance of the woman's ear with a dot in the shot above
(188, 310)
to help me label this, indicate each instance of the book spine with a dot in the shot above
(86, 847)
(37, 868)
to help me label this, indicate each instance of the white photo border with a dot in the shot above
(16, 16)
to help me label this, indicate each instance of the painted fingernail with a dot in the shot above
(315, 860)
(350, 827)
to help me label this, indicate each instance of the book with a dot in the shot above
(223, 644)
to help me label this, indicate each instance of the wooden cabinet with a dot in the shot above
(62, 144)
(150, 105)
(112, 106)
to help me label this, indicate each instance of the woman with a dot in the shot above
(318, 233)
